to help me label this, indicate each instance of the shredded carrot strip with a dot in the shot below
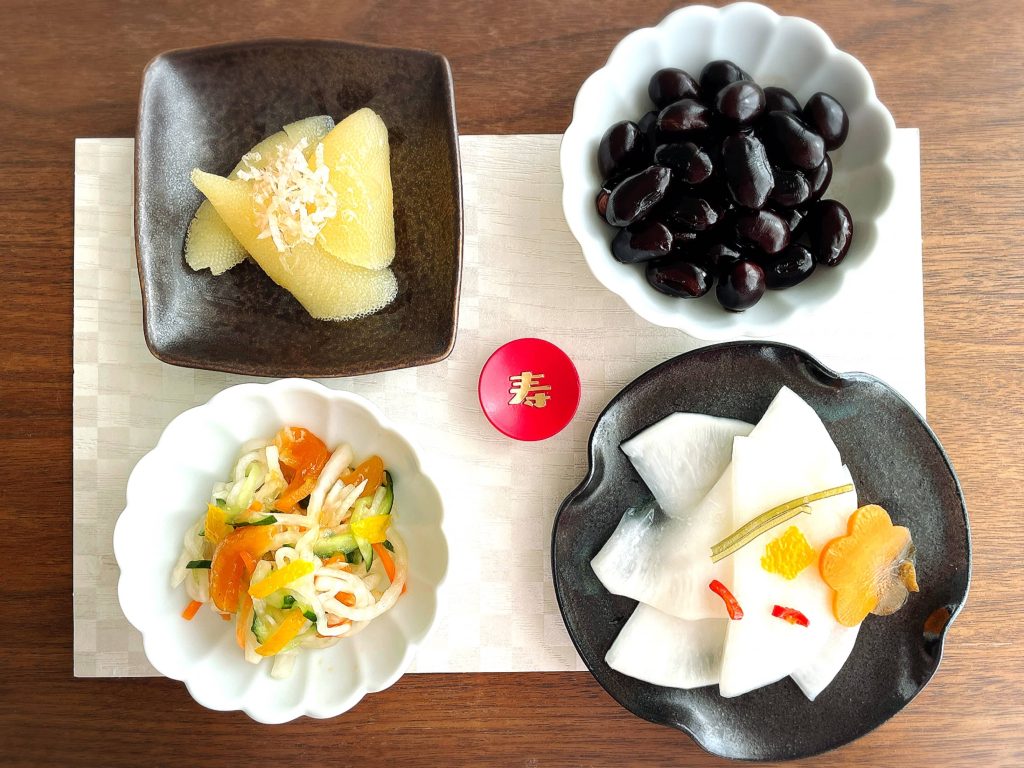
(225, 616)
(336, 560)
(387, 561)
(345, 598)
(190, 611)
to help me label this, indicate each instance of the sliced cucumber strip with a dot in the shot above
(389, 495)
(260, 628)
(268, 520)
(339, 544)
(366, 550)
(361, 508)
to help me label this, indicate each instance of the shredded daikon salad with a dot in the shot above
(297, 547)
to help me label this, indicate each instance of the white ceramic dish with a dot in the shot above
(776, 50)
(172, 483)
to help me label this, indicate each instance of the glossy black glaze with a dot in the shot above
(896, 461)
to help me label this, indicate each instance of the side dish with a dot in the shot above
(313, 206)
(723, 181)
(297, 547)
(753, 562)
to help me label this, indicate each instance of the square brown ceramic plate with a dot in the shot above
(204, 108)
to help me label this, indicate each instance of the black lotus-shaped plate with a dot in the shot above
(896, 461)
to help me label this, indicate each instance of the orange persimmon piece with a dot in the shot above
(305, 455)
(227, 568)
(371, 470)
(871, 568)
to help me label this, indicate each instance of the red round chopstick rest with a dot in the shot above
(529, 389)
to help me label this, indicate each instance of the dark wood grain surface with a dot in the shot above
(71, 68)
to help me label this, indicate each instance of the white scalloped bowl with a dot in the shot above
(776, 50)
(172, 483)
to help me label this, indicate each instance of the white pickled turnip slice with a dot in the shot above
(789, 421)
(815, 676)
(665, 562)
(664, 650)
(682, 456)
(788, 454)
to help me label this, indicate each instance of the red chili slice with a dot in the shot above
(792, 615)
(731, 604)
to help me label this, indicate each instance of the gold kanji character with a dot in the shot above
(526, 390)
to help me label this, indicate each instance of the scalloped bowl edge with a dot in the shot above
(272, 712)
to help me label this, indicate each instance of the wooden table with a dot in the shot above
(71, 68)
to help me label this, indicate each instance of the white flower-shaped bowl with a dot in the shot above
(170, 486)
(775, 50)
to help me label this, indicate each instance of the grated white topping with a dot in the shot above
(293, 200)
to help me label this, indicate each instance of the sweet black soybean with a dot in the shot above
(790, 266)
(741, 287)
(791, 141)
(621, 150)
(830, 228)
(721, 179)
(669, 85)
(636, 195)
(643, 241)
(747, 171)
(779, 99)
(826, 116)
(679, 278)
